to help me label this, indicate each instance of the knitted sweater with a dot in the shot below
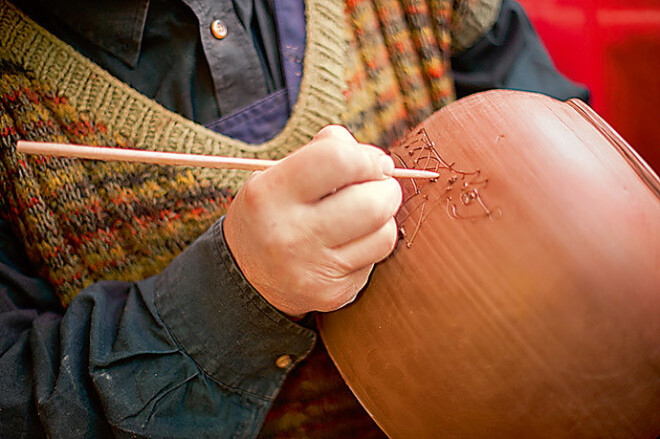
(377, 67)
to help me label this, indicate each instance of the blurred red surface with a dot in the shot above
(612, 47)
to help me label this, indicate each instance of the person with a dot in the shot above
(147, 301)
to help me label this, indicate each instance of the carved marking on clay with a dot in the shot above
(462, 195)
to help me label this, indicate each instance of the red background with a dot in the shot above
(612, 47)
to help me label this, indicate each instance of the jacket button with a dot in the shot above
(219, 29)
(284, 361)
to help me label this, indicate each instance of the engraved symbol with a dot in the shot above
(462, 194)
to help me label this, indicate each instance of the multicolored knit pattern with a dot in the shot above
(82, 221)
(399, 54)
(401, 60)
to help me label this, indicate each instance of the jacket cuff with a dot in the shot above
(472, 19)
(223, 323)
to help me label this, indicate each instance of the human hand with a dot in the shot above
(307, 232)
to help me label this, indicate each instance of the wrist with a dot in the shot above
(222, 322)
(232, 230)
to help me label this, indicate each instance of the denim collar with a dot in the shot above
(116, 26)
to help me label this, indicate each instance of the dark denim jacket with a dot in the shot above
(191, 352)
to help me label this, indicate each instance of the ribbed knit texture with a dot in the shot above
(378, 67)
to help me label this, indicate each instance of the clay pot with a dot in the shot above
(523, 299)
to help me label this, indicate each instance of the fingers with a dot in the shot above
(335, 132)
(369, 249)
(332, 160)
(307, 232)
(362, 254)
(347, 292)
(352, 264)
(355, 211)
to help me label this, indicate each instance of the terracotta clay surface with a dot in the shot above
(523, 299)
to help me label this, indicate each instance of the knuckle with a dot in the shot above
(340, 153)
(334, 131)
(339, 156)
(254, 195)
(275, 246)
(282, 244)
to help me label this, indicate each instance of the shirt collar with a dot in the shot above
(116, 26)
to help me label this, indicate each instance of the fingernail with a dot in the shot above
(387, 164)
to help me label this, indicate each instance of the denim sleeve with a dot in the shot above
(191, 352)
(511, 56)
